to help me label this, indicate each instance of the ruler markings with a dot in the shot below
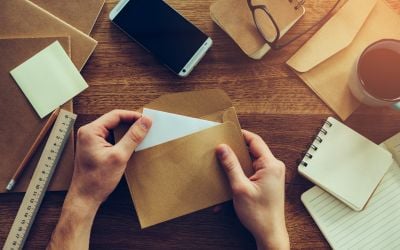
(40, 180)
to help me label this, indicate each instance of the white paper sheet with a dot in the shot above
(49, 79)
(167, 127)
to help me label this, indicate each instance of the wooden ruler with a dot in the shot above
(40, 180)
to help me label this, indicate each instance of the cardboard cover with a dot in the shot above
(183, 176)
(327, 62)
(236, 19)
(20, 124)
(80, 14)
(22, 18)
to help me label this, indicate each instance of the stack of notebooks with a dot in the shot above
(356, 202)
(27, 28)
(236, 19)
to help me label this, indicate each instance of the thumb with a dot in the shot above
(231, 166)
(134, 136)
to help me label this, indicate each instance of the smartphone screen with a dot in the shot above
(162, 31)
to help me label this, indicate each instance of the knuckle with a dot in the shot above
(83, 134)
(115, 111)
(274, 166)
(257, 138)
(278, 168)
(135, 134)
(114, 158)
(239, 189)
(230, 164)
(263, 160)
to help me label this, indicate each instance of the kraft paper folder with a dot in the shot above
(22, 18)
(327, 62)
(20, 123)
(183, 176)
(25, 19)
(82, 14)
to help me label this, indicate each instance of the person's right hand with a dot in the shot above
(258, 200)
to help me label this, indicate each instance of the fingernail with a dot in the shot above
(222, 152)
(145, 122)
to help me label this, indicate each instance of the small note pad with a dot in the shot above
(167, 127)
(49, 79)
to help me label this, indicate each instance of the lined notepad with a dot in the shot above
(376, 227)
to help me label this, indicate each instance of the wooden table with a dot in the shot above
(270, 99)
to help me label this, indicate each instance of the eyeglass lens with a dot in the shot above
(265, 25)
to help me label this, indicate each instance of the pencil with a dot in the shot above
(32, 149)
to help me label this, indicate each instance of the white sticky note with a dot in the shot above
(167, 127)
(49, 79)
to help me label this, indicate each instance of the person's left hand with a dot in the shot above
(99, 167)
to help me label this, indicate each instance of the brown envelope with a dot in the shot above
(183, 176)
(327, 62)
(22, 18)
(82, 14)
(19, 122)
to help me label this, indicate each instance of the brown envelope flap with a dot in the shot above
(22, 18)
(183, 176)
(193, 103)
(227, 115)
(334, 36)
(209, 104)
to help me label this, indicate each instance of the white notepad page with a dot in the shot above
(346, 164)
(49, 79)
(376, 227)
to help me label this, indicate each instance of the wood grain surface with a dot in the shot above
(270, 99)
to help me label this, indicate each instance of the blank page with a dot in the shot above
(376, 227)
(346, 164)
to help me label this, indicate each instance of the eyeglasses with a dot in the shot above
(268, 27)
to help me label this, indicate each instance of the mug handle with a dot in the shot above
(396, 105)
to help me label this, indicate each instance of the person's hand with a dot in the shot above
(99, 167)
(259, 199)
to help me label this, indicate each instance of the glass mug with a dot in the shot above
(378, 71)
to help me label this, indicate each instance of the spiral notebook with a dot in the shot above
(236, 19)
(376, 227)
(345, 164)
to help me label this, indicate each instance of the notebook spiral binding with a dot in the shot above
(298, 3)
(319, 139)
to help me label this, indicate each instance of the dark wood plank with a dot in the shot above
(270, 99)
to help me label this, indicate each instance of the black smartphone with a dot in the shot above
(157, 27)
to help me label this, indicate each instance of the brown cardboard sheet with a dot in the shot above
(19, 123)
(82, 14)
(22, 18)
(183, 176)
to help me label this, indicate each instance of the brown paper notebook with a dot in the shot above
(21, 18)
(82, 14)
(236, 19)
(19, 123)
(183, 176)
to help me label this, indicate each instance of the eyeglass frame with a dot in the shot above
(274, 44)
